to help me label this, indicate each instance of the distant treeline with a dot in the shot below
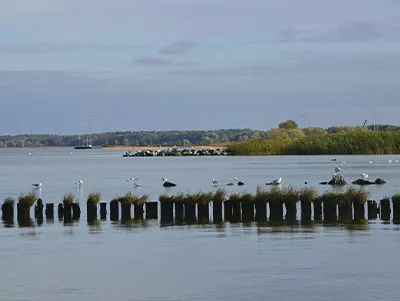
(137, 138)
(347, 143)
(270, 141)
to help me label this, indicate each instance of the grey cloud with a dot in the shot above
(345, 32)
(150, 61)
(180, 47)
(38, 47)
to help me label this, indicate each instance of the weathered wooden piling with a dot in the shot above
(25, 202)
(203, 213)
(67, 212)
(7, 209)
(217, 211)
(385, 209)
(49, 211)
(345, 211)
(138, 211)
(60, 211)
(357, 199)
(275, 210)
(306, 196)
(103, 210)
(39, 209)
(167, 210)
(151, 210)
(227, 210)
(330, 201)
(126, 211)
(261, 200)
(317, 204)
(114, 210)
(372, 210)
(203, 206)
(247, 206)
(76, 211)
(190, 210)
(235, 199)
(217, 204)
(91, 205)
(396, 208)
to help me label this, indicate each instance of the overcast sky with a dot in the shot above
(196, 64)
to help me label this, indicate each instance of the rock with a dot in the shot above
(323, 183)
(337, 180)
(379, 181)
(240, 183)
(362, 182)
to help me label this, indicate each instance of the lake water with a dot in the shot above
(144, 261)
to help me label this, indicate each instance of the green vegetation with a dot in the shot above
(68, 199)
(219, 195)
(9, 200)
(132, 199)
(135, 138)
(307, 194)
(396, 198)
(94, 198)
(357, 195)
(350, 143)
(261, 195)
(27, 199)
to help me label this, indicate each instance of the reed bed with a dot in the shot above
(27, 199)
(353, 143)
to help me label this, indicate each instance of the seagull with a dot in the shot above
(37, 185)
(396, 161)
(30, 154)
(79, 183)
(168, 184)
(338, 169)
(389, 161)
(232, 183)
(334, 159)
(277, 181)
(364, 175)
(132, 179)
(215, 182)
(370, 162)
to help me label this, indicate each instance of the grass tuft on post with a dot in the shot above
(9, 200)
(94, 198)
(27, 199)
(359, 195)
(307, 194)
(219, 195)
(68, 199)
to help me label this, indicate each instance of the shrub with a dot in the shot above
(68, 199)
(94, 198)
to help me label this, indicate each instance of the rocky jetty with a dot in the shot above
(176, 152)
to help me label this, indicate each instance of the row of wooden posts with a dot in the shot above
(227, 210)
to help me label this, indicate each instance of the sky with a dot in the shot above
(196, 64)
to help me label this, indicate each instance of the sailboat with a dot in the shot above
(88, 144)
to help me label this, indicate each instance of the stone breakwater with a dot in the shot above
(176, 152)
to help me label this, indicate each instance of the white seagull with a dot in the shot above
(338, 169)
(364, 175)
(215, 182)
(277, 181)
(79, 183)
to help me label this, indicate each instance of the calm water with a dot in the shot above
(214, 262)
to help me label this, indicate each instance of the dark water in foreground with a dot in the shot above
(145, 261)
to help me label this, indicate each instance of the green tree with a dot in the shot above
(289, 124)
